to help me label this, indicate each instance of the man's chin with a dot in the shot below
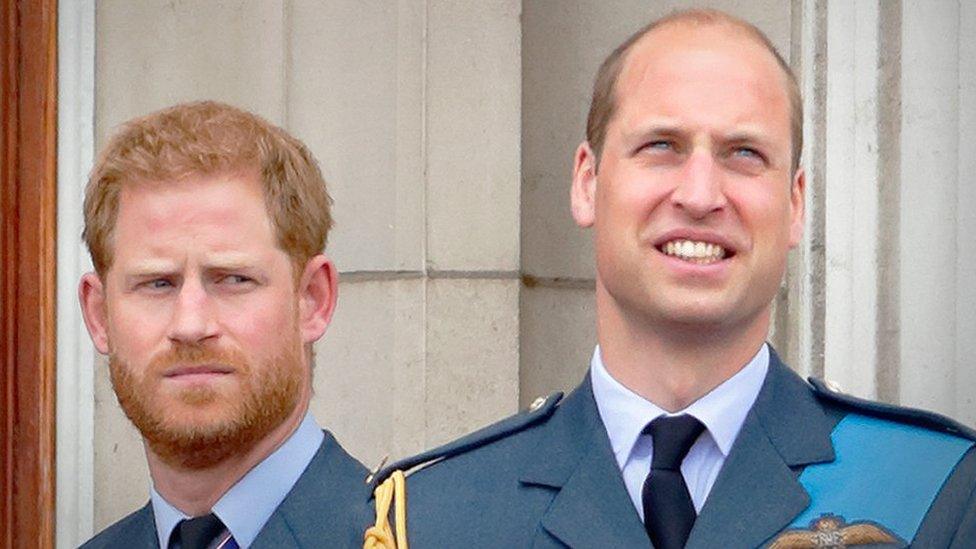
(202, 435)
(197, 422)
(197, 445)
(199, 425)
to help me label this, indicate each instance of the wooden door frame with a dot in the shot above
(28, 206)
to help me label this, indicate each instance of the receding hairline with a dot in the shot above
(701, 18)
(704, 17)
(616, 63)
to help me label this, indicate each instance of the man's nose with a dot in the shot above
(699, 191)
(193, 317)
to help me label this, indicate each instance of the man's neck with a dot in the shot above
(195, 491)
(674, 367)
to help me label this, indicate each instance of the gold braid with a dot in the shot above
(380, 535)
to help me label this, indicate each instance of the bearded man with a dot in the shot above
(206, 226)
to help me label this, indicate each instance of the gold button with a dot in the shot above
(833, 386)
(369, 477)
(537, 403)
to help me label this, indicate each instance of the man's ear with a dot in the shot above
(91, 295)
(797, 207)
(317, 293)
(583, 193)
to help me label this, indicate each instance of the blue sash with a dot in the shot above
(884, 472)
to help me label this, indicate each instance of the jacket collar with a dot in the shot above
(141, 529)
(757, 493)
(785, 430)
(576, 460)
(326, 507)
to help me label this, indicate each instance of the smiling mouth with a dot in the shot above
(694, 251)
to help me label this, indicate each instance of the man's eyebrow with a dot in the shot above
(663, 128)
(151, 268)
(747, 135)
(231, 262)
(668, 128)
(222, 262)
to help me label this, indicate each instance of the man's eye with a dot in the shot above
(660, 145)
(747, 152)
(156, 284)
(236, 279)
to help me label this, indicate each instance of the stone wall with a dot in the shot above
(446, 131)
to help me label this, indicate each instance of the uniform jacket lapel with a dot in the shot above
(135, 530)
(143, 531)
(757, 494)
(325, 508)
(591, 507)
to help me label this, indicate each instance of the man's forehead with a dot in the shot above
(215, 214)
(246, 178)
(685, 37)
(225, 197)
(707, 63)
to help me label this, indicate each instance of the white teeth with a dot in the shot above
(694, 251)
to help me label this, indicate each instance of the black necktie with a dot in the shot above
(199, 532)
(668, 511)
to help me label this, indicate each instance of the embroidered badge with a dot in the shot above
(833, 532)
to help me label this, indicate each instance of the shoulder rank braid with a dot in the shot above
(381, 535)
(391, 489)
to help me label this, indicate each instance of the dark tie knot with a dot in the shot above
(672, 438)
(199, 532)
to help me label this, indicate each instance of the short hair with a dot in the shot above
(603, 104)
(208, 138)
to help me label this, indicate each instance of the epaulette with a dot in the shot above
(541, 409)
(911, 416)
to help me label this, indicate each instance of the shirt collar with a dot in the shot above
(248, 505)
(166, 516)
(723, 410)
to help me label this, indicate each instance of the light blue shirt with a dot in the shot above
(248, 505)
(722, 411)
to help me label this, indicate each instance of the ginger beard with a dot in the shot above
(199, 426)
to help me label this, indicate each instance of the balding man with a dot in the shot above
(688, 430)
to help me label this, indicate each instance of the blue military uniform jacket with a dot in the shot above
(810, 468)
(324, 509)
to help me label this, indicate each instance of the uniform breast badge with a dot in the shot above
(833, 532)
